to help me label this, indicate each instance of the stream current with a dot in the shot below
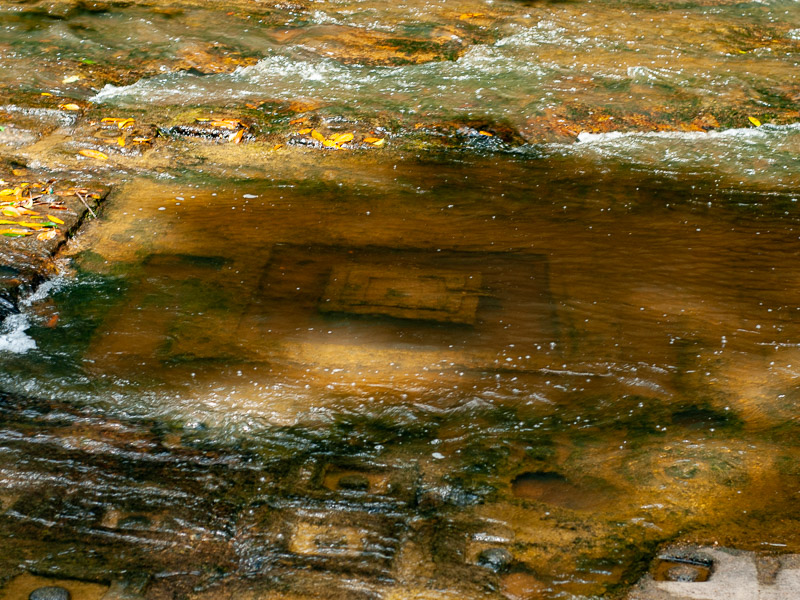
(474, 372)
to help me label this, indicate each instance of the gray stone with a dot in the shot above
(495, 559)
(50, 592)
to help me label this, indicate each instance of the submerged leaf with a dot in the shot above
(342, 138)
(69, 107)
(754, 121)
(94, 154)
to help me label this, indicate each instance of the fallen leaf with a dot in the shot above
(379, 143)
(465, 16)
(236, 137)
(7, 192)
(69, 107)
(318, 136)
(142, 140)
(46, 235)
(276, 146)
(227, 123)
(46, 94)
(342, 138)
(10, 211)
(372, 140)
(94, 154)
(15, 232)
(486, 133)
(126, 123)
(52, 321)
(6, 222)
(300, 120)
(71, 79)
(305, 131)
(31, 225)
(55, 219)
(754, 121)
(121, 141)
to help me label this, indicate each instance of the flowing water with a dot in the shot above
(553, 325)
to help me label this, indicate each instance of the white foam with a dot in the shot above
(744, 132)
(13, 337)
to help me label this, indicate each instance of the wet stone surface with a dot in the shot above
(399, 301)
(50, 593)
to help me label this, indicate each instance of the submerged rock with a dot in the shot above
(495, 559)
(50, 592)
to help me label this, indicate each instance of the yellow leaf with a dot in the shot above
(46, 235)
(94, 154)
(69, 107)
(55, 219)
(227, 123)
(486, 133)
(7, 192)
(236, 137)
(465, 16)
(114, 120)
(46, 94)
(754, 121)
(317, 136)
(121, 141)
(10, 211)
(142, 140)
(342, 138)
(300, 120)
(30, 224)
(7, 222)
(330, 144)
(125, 123)
(15, 232)
(379, 143)
(305, 131)
(277, 146)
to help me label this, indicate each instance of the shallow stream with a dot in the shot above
(504, 369)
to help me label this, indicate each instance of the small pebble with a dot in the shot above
(50, 592)
(495, 559)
